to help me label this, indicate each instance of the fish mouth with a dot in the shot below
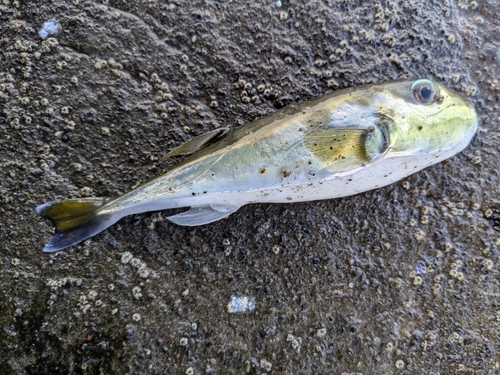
(472, 119)
(470, 111)
(475, 123)
(465, 110)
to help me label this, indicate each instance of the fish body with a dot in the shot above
(340, 144)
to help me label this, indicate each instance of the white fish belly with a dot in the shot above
(382, 173)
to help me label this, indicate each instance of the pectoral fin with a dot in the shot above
(198, 143)
(350, 147)
(203, 215)
(337, 146)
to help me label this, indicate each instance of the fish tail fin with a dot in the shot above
(75, 220)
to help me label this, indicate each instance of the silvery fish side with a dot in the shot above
(341, 144)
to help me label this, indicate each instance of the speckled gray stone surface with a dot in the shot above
(401, 280)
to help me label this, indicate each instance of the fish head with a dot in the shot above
(428, 119)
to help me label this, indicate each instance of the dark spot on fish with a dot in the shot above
(300, 129)
(420, 127)
(193, 193)
(309, 162)
(286, 173)
(262, 171)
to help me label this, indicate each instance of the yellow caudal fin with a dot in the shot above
(75, 221)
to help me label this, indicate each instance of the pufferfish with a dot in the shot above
(340, 144)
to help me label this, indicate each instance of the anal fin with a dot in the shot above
(203, 215)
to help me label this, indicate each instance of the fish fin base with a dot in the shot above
(202, 215)
(75, 221)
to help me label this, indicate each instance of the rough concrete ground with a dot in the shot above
(401, 280)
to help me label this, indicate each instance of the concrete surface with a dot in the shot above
(401, 280)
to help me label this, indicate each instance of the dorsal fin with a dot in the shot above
(198, 143)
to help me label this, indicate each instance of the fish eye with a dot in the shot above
(425, 91)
